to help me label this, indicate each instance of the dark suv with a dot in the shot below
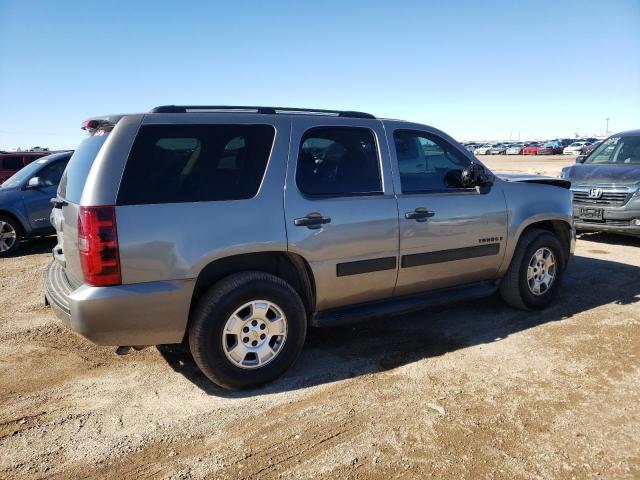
(25, 201)
(606, 186)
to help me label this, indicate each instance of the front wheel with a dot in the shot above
(247, 330)
(536, 271)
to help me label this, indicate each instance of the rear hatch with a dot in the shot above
(64, 215)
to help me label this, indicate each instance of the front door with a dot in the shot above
(449, 235)
(341, 214)
(37, 200)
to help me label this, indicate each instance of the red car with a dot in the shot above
(531, 149)
(10, 163)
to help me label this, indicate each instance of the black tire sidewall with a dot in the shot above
(213, 361)
(536, 302)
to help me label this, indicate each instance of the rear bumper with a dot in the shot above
(148, 313)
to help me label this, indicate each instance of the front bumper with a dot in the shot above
(615, 220)
(150, 313)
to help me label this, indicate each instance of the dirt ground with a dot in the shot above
(473, 390)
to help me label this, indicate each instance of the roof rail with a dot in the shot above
(262, 110)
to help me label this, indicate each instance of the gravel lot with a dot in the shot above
(474, 390)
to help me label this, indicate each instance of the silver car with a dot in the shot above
(238, 228)
(514, 149)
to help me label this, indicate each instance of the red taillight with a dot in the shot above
(98, 246)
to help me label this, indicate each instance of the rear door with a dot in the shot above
(449, 235)
(340, 209)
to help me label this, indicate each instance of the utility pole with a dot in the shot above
(606, 132)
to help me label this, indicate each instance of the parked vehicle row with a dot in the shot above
(551, 147)
(314, 231)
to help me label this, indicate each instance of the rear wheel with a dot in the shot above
(10, 235)
(247, 330)
(535, 274)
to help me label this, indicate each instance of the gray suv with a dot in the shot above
(606, 186)
(236, 228)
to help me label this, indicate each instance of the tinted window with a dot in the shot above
(618, 150)
(51, 174)
(338, 161)
(195, 163)
(427, 163)
(12, 163)
(74, 177)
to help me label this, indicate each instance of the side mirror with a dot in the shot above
(475, 175)
(34, 182)
(581, 158)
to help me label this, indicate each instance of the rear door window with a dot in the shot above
(338, 161)
(195, 163)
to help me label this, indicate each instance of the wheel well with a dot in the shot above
(560, 228)
(292, 268)
(7, 213)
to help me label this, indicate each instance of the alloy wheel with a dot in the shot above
(254, 334)
(8, 236)
(541, 271)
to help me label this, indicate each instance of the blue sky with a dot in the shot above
(478, 70)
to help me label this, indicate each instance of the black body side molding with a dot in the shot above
(365, 266)
(427, 258)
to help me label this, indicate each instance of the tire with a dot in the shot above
(515, 286)
(214, 351)
(10, 235)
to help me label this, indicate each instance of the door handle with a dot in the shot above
(419, 214)
(311, 221)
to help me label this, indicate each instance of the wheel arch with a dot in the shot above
(561, 228)
(17, 218)
(291, 267)
(558, 226)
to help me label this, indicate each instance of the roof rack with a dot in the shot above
(262, 110)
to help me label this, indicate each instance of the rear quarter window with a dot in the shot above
(195, 163)
(77, 171)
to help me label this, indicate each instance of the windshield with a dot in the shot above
(22, 175)
(617, 150)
